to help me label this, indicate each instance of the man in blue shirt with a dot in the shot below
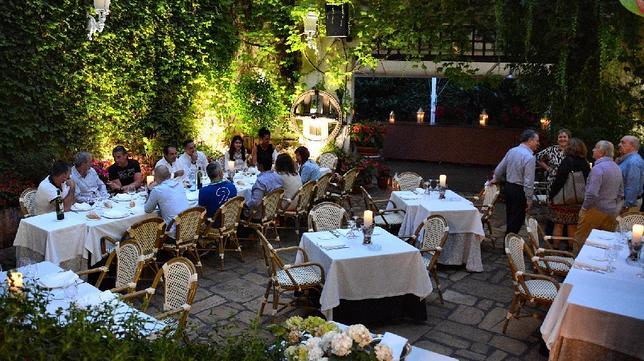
(309, 170)
(267, 181)
(632, 167)
(217, 192)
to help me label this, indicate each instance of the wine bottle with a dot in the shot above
(199, 175)
(60, 212)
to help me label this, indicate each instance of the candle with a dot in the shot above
(14, 279)
(231, 165)
(442, 180)
(149, 179)
(368, 218)
(638, 229)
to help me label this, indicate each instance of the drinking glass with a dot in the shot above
(640, 260)
(426, 185)
(352, 227)
(611, 255)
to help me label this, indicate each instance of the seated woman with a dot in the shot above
(309, 170)
(285, 168)
(236, 152)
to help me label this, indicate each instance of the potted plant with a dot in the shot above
(370, 169)
(367, 138)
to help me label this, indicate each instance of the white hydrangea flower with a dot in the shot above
(325, 342)
(314, 350)
(383, 353)
(359, 334)
(341, 344)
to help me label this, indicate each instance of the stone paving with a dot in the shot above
(467, 327)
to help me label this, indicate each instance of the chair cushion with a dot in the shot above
(304, 276)
(556, 266)
(541, 289)
(394, 218)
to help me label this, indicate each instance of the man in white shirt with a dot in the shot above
(169, 161)
(57, 180)
(88, 184)
(169, 195)
(191, 159)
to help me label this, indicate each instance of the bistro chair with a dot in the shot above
(528, 287)
(540, 235)
(322, 187)
(344, 188)
(407, 181)
(626, 221)
(385, 218)
(129, 261)
(540, 195)
(265, 217)
(188, 229)
(282, 277)
(180, 286)
(224, 236)
(430, 238)
(327, 216)
(328, 160)
(550, 262)
(305, 196)
(148, 234)
(27, 202)
(489, 196)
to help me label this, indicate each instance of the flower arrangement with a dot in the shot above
(11, 186)
(314, 339)
(100, 166)
(368, 135)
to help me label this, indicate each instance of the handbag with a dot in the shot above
(573, 190)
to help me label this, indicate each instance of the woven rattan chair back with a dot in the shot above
(627, 220)
(305, 197)
(514, 246)
(27, 202)
(532, 228)
(349, 179)
(435, 231)
(230, 213)
(408, 181)
(328, 160)
(188, 225)
(180, 284)
(129, 263)
(490, 195)
(322, 184)
(271, 204)
(147, 234)
(271, 258)
(327, 216)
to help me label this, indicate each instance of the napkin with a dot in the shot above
(81, 207)
(395, 342)
(96, 298)
(325, 236)
(407, 195)
(595, 242)
(591, 266)
(192, 196)
(333, 245)
(115, 213)
(58, 280)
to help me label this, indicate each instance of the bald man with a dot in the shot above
(168, 194)
(632, 167)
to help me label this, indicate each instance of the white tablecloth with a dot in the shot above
(604, 309)
(463, 244)
(59, 299)
(77, 238)
(389, 268)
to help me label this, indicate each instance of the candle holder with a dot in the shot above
(367, 231)
(231, 174)
(634, 250)
(441, 192)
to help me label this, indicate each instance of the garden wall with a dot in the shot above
(481, 146)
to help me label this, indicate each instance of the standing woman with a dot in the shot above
(236, 152)
(568, 214)
(264, 150)
(550, 158)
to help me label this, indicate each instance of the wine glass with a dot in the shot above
(426, 185)
(352, 226)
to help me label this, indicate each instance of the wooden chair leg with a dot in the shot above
(265, 301)
(276, 303)
(510, 314)
(277, 235)
(222, 244)
(434, 274)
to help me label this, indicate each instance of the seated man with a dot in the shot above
(169, 195)
(57, 180)
(309, 170)
(217, 192)
(125, 173)
(169, 160)
(191, 160)
(267, 181)
(88, 184)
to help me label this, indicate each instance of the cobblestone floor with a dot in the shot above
(467, 327)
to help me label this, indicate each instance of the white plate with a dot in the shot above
(115, 215)
(76, 209)
(122, 197)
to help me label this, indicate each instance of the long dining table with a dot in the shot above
(72, 241)
(466, 232)
(598, 313)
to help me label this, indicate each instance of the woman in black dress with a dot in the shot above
(567, 214)
(264, 150)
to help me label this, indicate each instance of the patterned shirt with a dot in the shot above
(552, 156)
(215, 195)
